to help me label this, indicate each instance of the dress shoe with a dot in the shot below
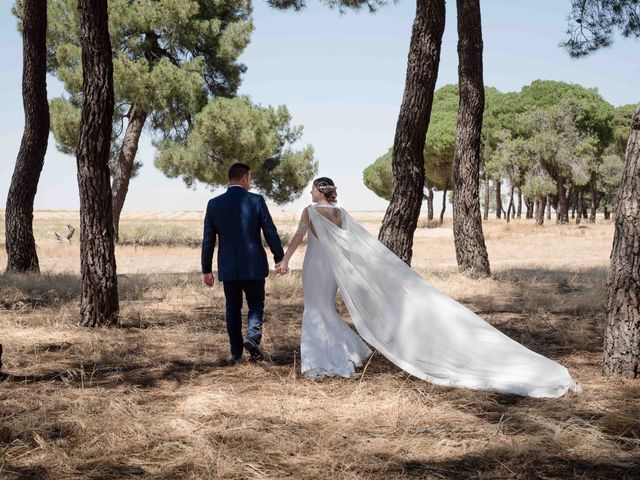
(254, 350)
(231, 362)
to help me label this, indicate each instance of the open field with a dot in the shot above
(154, 400)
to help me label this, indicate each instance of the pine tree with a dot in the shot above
(99, 298)
(170, 57)
(20, 243)
(592, 25)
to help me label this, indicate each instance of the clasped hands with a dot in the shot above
(282, 267)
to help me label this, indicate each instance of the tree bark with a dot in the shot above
(498, 199)
(530, 205)
(511, 210)
(487, 193)
(471, 252)
(444, 205)
(99, 301)
(429, 198)
(401, 217)
(562, 212)
(126, 159)
(519, 212)
(548, 203)
(607, 213)
(622, 334)
(19, 241)
(572, 202)
(594, 202)
(542, 203)
(579, 207)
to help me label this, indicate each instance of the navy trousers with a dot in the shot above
(254, 292)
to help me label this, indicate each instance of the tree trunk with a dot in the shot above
(471, 252)
(578, 207)
(542, 203)
(519, 212)
(562, 212)
(548, 202)
(530, 212)
(622, 334)
(429, 199)
(487, 193)
(498, 199)
(512, 206)
(19, 241)
(444, 206)
(529, 203)
(99, 301)
(594, 202)
(126, 158)
(572, 202)
(401, 217)
(607, 213)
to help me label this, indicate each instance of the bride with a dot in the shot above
(418, 328)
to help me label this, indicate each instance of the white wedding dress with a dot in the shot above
(418, 328)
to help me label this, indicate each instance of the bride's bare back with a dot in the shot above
(328, 211)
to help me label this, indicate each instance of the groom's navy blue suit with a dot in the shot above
(237, 218)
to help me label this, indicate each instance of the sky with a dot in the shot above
(342, 78)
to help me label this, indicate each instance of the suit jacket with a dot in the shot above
(237, 217)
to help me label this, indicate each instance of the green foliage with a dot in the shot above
(177, 60)
(340, 5)
(441, 138)
(501, 113)
(378, 177)
(549, 130)
(593, 24)
(65, 123)
(511, 158)
(169, 57)
(609, 177)
(563, 150)
(621, 128)
(538, 183)
(593, 115)
(439, 147)
(230, 130)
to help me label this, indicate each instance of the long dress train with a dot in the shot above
(418, 328)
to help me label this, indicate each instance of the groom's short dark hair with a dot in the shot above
(238, 170)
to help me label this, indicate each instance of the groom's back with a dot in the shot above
(236, 217)
(236, 211)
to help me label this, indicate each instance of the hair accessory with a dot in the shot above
(324, 187)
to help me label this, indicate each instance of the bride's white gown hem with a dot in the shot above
(418, 328)
(328, 346)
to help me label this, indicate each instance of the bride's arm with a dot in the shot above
(283, 266)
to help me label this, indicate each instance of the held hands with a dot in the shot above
(208, 280)
(282, 267)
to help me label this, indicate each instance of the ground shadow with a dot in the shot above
(496, 463)
(32, 291)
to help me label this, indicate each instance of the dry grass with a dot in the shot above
(153, 398)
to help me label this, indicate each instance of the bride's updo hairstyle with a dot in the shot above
(326, 186)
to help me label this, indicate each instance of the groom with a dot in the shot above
(237, 217)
